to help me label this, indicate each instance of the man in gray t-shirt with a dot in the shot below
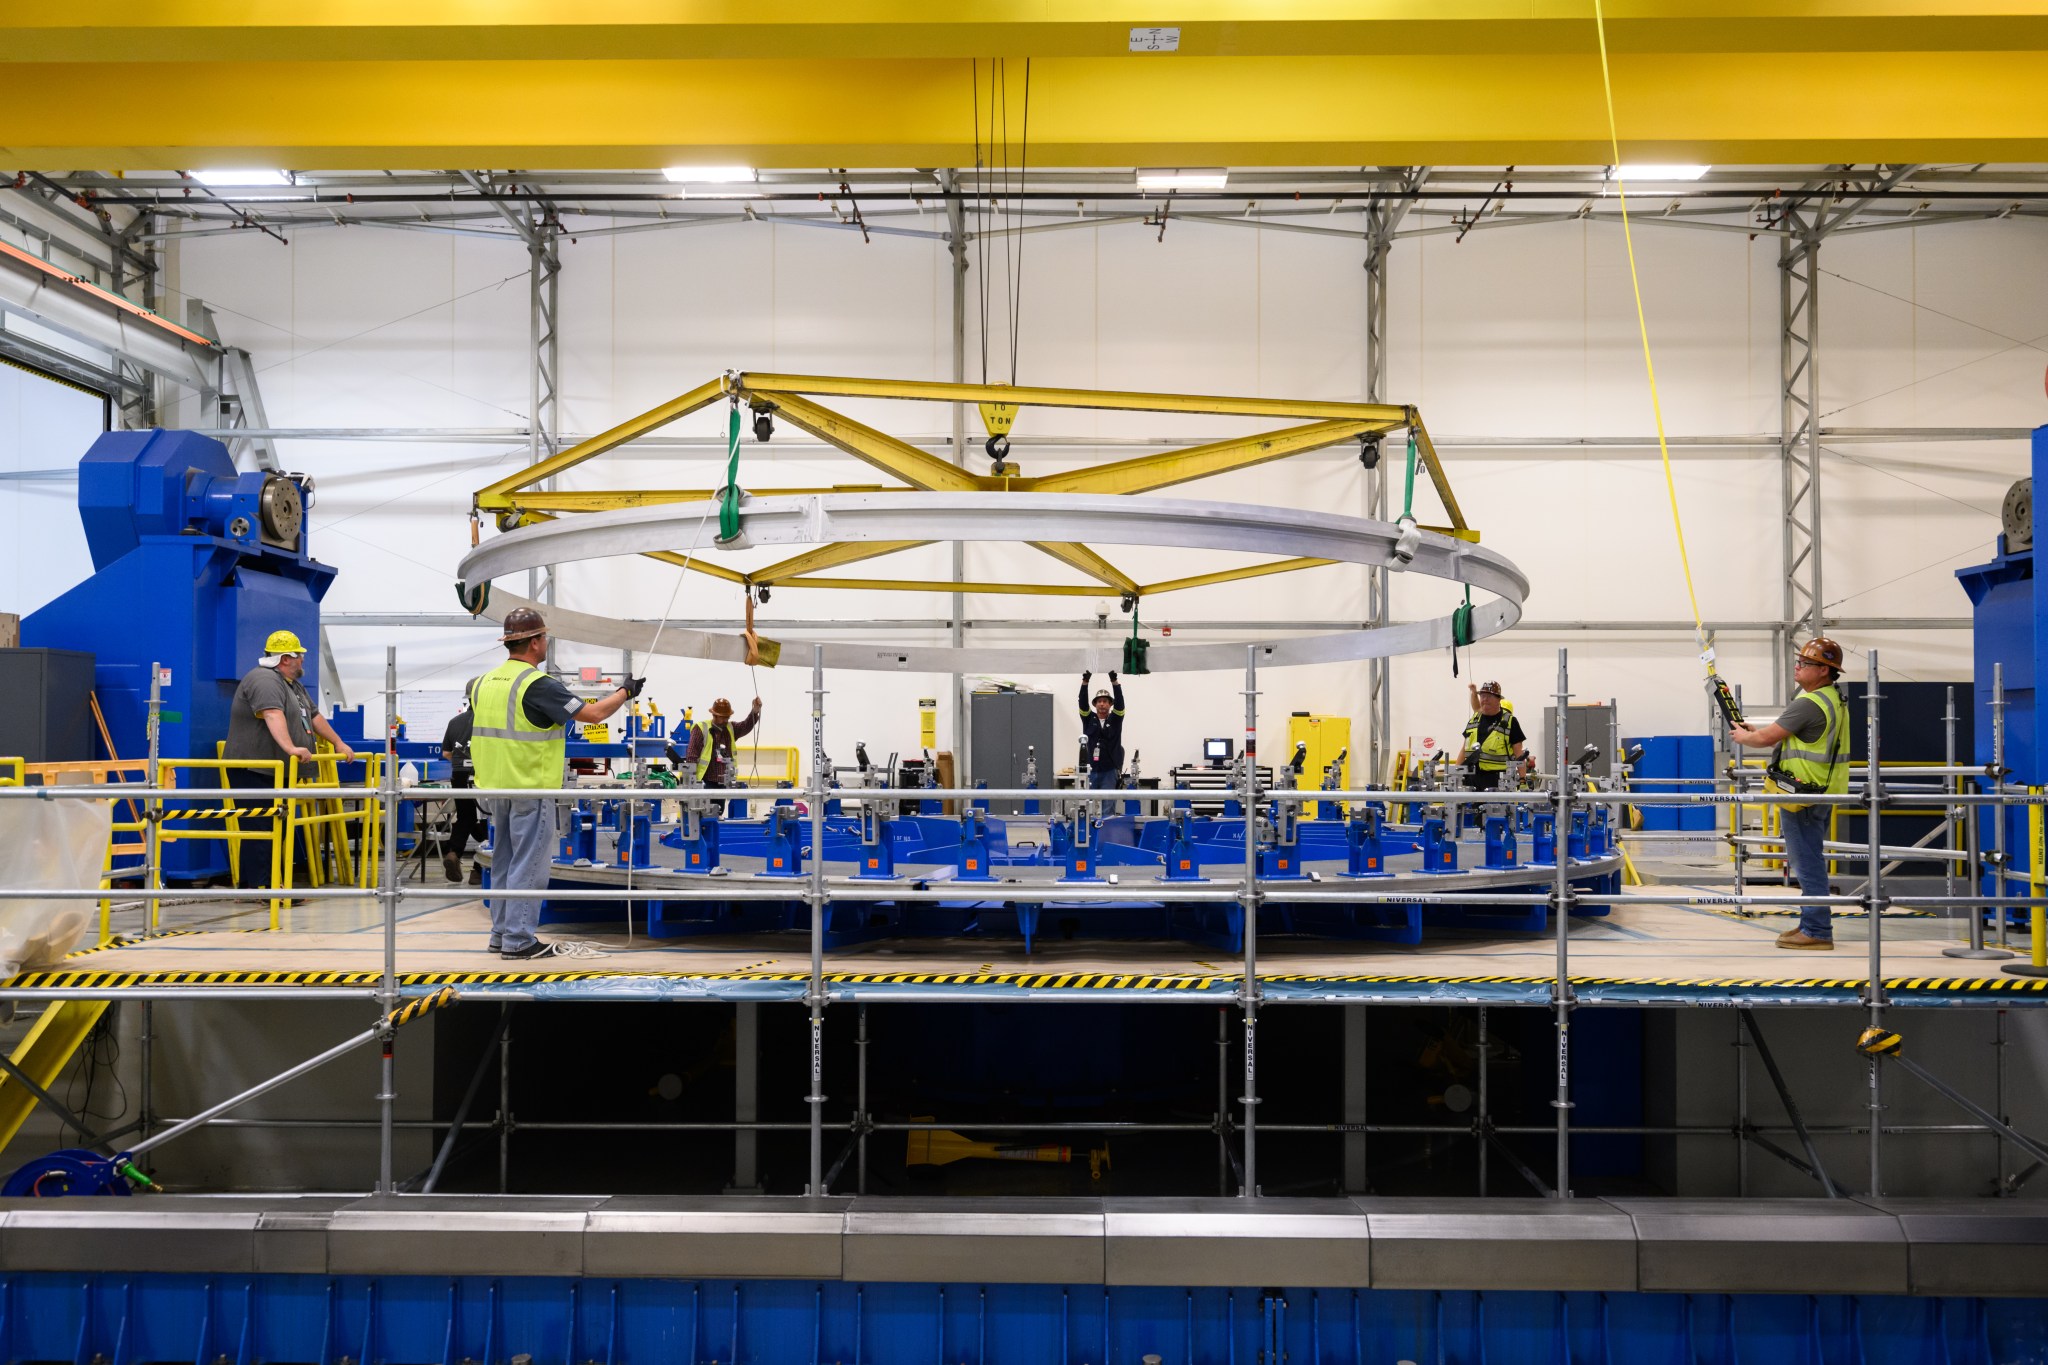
(272, 719)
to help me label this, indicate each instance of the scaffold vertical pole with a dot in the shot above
(387, 894)
(1959, 818)
(1873, 791)
(815, 1097)
(153, 806)
(861, 1103)
(1561, 913)
(1249, 790)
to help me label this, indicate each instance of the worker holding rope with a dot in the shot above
(1493, 736)
(1810, 755)
(519, 739)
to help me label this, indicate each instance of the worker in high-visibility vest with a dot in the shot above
(1493, 736)
(1810, 756)
(519, 739)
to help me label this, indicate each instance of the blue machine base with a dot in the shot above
(423, 1320)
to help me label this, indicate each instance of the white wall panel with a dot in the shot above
(1524, 333)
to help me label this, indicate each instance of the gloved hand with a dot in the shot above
(1086, 674)
(631, 686)
(1112, 677)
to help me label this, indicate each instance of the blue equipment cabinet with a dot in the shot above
(2011, 614)
(194, 565)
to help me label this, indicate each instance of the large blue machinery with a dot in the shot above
(194, 565)
(2011, 605)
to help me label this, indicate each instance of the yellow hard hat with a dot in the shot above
(283, 642)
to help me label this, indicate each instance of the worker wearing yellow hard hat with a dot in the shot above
(272, 719)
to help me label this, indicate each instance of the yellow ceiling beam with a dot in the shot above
(410, 30)
(1523, 108)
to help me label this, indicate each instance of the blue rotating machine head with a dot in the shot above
(194, 565)
(2010, 603)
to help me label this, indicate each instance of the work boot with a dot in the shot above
(1796, 939)
(452, 865)
(476, 874)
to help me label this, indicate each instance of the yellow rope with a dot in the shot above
(1643, 326)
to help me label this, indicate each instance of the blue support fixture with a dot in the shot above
(1543, 839)
(194, 565)
(1084, 847)
(1183, 862)
(579, 845)
(1577, 840)
(783, 853)
(877, 854)
(1500, 843)
(971, 854)
(1365, 853)
(1439, 851)
(636, 839)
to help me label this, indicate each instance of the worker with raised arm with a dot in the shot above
(1493, 735)
(1102, 733)
(519, 739)
(272, 718)
(709, 759)
(1809, 745)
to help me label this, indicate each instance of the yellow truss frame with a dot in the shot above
(517, 499)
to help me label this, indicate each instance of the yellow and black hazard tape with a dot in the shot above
(1100, 981)
(221, 812)
(414, 1009)
(1880, 1042)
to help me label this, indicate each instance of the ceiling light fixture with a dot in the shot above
(1657, 172)
(1212, 179)
(711, 175)
(241, 179)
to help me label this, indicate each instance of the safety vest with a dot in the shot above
(1824, 766)
(704, 751)
(508, 749)
(1489, 736)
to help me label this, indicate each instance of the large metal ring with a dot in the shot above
(1095, 519)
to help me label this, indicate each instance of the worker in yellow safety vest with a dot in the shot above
(1493, 735)
(519, 741)
(1809, 746)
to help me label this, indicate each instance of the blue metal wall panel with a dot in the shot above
(411, 1320)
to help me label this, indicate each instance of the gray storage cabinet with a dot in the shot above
(1006, 725)
(46, 705)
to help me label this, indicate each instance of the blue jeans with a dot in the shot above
(522, 850)
(1105, 780)
(1806, 829)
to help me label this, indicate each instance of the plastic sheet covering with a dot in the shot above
(53, 845)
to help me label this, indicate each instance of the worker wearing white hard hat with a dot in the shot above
(272, 719)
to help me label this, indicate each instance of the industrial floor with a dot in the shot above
(1640, 954)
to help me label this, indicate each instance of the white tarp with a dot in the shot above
(48, 845)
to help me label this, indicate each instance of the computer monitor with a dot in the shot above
(1216, 750)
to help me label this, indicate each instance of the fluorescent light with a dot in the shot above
(710, 175)
(1183, 179)
(242, 178)
(1628, 172)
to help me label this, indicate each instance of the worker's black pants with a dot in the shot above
(469, 820)
(252, 856)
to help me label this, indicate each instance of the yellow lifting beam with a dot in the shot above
(492, 497)
(938, 391)
(42, 1056)
(1321, 424)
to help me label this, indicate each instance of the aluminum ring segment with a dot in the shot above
(1094, 519)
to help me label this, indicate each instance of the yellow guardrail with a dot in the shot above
(229, 810)
(325, 830)
(787, 757)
